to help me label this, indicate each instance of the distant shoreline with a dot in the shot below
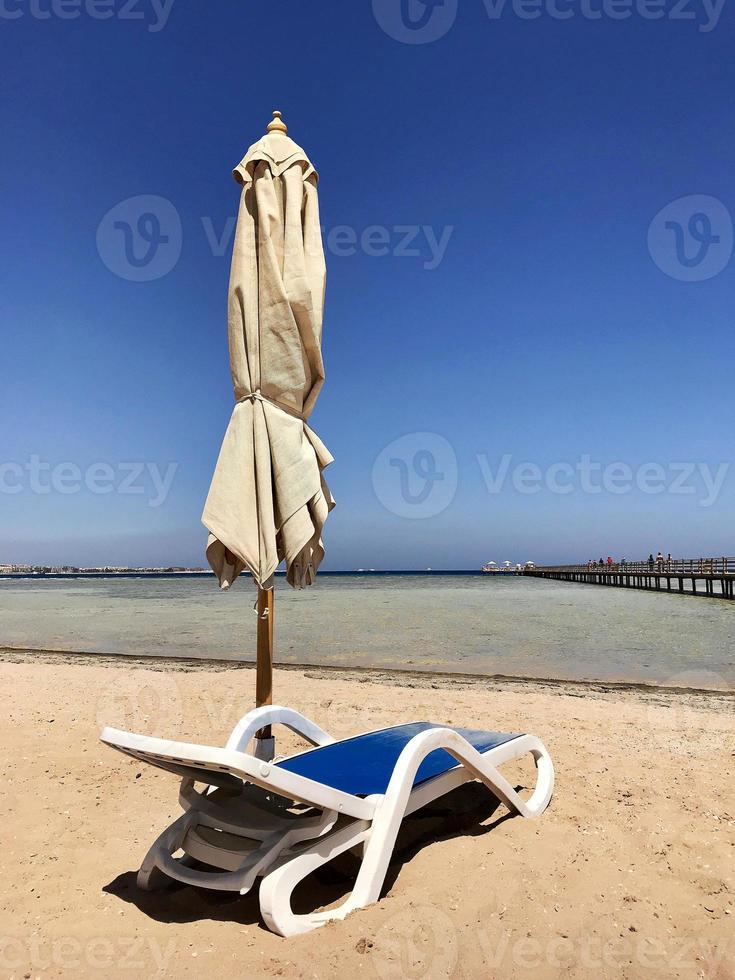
(209, 574)
(46, 575)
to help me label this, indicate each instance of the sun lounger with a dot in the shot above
(282, 820)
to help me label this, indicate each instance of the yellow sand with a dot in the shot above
(628, 874)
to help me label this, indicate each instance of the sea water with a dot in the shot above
(477, 624)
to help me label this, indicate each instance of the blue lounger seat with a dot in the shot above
(364, 764)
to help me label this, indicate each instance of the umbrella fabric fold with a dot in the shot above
(268, 500)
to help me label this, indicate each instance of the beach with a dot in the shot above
(627, 874)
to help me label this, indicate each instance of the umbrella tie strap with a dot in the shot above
(258, 396)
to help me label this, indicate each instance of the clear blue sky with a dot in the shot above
(551, 328)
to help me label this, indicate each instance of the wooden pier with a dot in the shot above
(710, 577)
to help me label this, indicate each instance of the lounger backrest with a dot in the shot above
(200, 774)
(213, 764)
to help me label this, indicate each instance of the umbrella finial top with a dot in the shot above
(277, 125)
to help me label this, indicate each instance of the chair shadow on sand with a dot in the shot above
(465, 812)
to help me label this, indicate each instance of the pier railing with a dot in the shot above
(684, 575)
(671, 566)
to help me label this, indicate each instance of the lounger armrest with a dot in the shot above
(274, 714)
(483, 766)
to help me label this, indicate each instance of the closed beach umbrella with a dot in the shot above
(268, 500)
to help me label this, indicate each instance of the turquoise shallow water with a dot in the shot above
(467, 623)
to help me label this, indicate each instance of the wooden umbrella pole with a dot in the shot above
(264, 672)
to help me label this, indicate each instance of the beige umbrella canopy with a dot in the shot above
(268, 500)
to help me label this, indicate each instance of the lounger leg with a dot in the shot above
(160, 867)
(277, 887)
(150, 876)
(152, 879)
(379, 836)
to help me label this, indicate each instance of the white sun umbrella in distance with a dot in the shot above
(268, 500)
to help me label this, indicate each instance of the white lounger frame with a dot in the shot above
(255, 833)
